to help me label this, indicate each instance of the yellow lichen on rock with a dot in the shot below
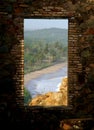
(52, 98)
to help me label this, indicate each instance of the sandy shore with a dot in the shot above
(36, 74)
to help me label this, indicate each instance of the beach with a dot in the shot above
(36, 74)
(45, 80)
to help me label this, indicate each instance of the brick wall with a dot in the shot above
(12, 15)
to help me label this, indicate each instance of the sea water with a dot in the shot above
(49, 82)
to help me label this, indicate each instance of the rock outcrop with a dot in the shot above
(52, 98)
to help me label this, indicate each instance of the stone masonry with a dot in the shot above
(80, 88)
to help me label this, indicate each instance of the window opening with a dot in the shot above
(45, 62)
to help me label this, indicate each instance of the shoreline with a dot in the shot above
(36, 74)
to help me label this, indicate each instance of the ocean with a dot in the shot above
(47, 82)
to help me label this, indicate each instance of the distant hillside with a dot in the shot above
(46, 35)
(44, 47)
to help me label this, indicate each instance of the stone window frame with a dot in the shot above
(72, 38)
(72, 55)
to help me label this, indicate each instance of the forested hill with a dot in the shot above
(50, 35)
(44, 47)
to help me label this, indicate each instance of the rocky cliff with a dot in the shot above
(53, 98)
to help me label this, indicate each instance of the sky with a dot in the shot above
(34, 24)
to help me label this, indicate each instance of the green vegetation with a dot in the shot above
(44, 51)
(27, 96)
(51, 35)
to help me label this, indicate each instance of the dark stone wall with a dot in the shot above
(80, 64)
